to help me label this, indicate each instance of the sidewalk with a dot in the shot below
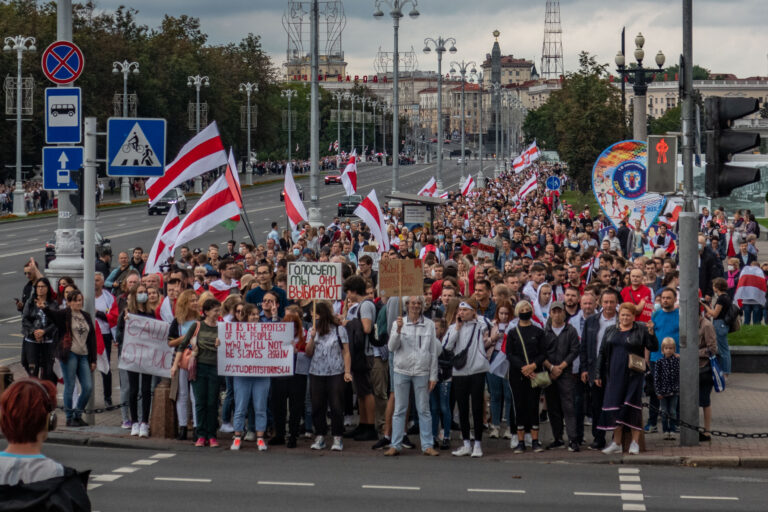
(743, 408)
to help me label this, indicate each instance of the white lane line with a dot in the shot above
(722, 498)
(163, 456)
(105, 478)
(188, 480)
(633, 471)
(94, 486)
(501, 491)
(605, 494)
(632, 496)
(125, 469)
(631, 487)
(629, 478)
(144, 462)
(391, 487)
(290, 484)
(9, 273)
(633, 506)
(32, 239)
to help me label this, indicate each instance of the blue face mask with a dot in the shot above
(141, 298)
(295, 252)
(441, 237)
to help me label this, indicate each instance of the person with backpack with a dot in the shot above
(359, 323)
(722, 316)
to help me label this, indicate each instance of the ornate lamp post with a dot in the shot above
(439, 45)
(248, 88)
(197, 82)
(126, 68)
(289, 94)
(462, 68)
(338, 96)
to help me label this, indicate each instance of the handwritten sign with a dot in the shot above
(401, 277)
(486, 248)
(373, 252)
(314, 281)
(255, 349)
(145, 347)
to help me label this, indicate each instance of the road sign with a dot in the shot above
(662, 164)
(554, 183)
(57, 164)
(135, 147)
(63, 115)
(63, 62)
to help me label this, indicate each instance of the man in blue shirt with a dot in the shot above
(264, 278)
(666, 323)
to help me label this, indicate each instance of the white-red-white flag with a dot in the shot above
(349, 176)
(751, 286)
(202, 153)
(429, 189)
(674, 206)
(217, 205)
(294, 207)
(444, 195)
(528, 187)
(370, 212)
(526, 158)
(469, 186)
(164, 242)
(233, 180)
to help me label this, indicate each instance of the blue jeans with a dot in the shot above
(249, 390)
(669, 410)
(76, 367)
(723, 351)
(229, 400)
(753, 314)
(421, 395)
(440, 409)
(501, 393)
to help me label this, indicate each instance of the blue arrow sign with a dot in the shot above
(135, 147)
(63, 115)
(553, 183)
(57, 164)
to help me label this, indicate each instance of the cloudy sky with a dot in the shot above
(729, 35)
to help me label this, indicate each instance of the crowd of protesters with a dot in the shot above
(566, 320)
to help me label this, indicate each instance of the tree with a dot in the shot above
(669, 122)
(672, 73)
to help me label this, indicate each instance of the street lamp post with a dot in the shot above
(288, 94)
(19, 44)
(197, 82)
(639, 77)
(338, 96)
(248, 88)
(374, 104)
(363, 101)
(126, 68)
(462, 68)
(480, 129)
(352, 99)
(439, 45)
(396, 13)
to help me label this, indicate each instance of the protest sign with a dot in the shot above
(145, 347)
(314, 281)
(373, 252)
(262, 349)
(486, 248)
(401, 277)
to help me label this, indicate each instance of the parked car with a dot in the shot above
(333, 177)
(347, 205)
(50, 246)
(174, 196)
(298, 187)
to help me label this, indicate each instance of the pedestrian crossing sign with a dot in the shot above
(135, 147)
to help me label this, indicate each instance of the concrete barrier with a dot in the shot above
(749, 359)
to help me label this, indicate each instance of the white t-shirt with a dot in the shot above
(27, 468)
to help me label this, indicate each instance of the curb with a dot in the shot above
(711, 461)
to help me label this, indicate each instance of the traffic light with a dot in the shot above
(77, 197)
(723, 142)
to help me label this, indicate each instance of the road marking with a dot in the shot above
(144, 462)
(633, 506)
(8, 318)
(293, 484)
(93, 486)
(9, 273)
(634, 471)
(32, 239)
(163, 456)
(105, 478)
(629, 478)
(631, 487)
(722, 498)
(392, 487)
(177, 479)
(120, 225)
(501, 491)
(125, 469)
(632, 496)
(606, 494)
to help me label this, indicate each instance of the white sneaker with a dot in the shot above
(337, 444)
(612, 448)
(634, 448)
(236, 442)
(144, 430)
(494, 434)
(508, 435)
(462, 452)
(261, 444)
(349, 421)
(477, 451)
(227, 428)
(319, 443)
(135, 429)
(528, 440)
(250, 436)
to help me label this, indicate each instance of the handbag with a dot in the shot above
(188, 355)
(636, 363)
(459, 361)
(718, 377)
(540, 379)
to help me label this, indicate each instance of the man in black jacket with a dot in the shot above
(707, 267)
(563, 349)
(591, 339)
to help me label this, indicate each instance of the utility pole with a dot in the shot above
(315, 218)
(248, 88)
(126, 68)
(197, 82)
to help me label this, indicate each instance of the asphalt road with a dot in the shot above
(204, 479)
(132, 227)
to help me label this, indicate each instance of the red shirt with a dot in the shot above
(636, 296)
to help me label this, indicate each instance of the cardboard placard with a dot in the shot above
(318, 280)
(145, 347)
(371, 251)
(401, 277)
(258, 349)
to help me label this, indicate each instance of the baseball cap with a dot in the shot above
(197, 251)
(557, 304)
(451, 264)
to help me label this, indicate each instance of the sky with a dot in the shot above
(729, 35)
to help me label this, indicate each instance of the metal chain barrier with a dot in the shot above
(702, 430)
(98, 410)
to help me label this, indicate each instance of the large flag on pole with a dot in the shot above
(469, 185)
(528, 187)
(164, 242)
(294, 207)
(430, 189)
(349, 176)
(202, 153)
(370, 213)
(526, 158)
(214, 207)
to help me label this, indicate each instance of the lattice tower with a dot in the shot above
(552, 49)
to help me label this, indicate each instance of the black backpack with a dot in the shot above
(357, 338)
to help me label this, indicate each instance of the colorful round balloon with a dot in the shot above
(619, 179)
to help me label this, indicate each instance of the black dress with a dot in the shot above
(622, 404)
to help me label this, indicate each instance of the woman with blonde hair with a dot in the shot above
(186, 315)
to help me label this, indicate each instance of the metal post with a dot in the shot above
(89, 231)
(363, 100)
(480, 130)
(198, 186)
(689, 286)
(374, 103)
(248, 87)
(289, 127)
(463, 113)
(352, 99)
(496, 105)
(67, 213)
(396, 114)
(315, 217)
(125, 68)
(440, 128)
(19, 208)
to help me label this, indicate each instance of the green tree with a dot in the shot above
(671, 73)
(669, 122)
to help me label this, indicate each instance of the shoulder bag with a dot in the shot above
(459, 361)
(189, 352)
(540, 379)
